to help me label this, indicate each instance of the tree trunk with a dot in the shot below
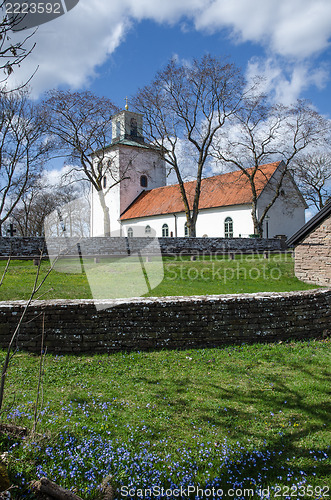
(106, 217)
(258, 225)
(192, 222)
(46, 487)
(193, 233)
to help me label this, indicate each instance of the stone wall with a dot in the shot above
(26, 247)
(169, 322)
(313, 256)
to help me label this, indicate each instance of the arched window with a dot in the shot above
(148, 230)
(134, 127)
(118, 129)
(143, 181)
(228, 228)
(165, 230)
(185, 229)
(104, 182)
(130, 232)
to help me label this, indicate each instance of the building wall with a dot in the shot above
(287, 214)
(129, 163)
(145, 161)
(313, 256)
(112, 198)
(210, 222)
(168, 322)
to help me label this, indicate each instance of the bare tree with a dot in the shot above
(39, 201)
(259, 133)
(186, 105)
(12, 53)
(312, 173)
(23, 148)
(81, 126)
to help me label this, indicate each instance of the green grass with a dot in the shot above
(180, 406)
(181, 277)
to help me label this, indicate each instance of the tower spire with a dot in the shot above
(126, 104)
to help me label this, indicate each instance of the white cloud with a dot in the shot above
(70, 48)
(284, 82)
(294, 28)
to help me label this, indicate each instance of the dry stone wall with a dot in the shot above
(75, 326)
(26, 247)
(313, 256)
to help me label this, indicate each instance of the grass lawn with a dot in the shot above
(245, 417)
(181, 277)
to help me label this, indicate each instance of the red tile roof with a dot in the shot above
(222, 190)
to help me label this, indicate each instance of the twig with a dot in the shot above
(45, 293)
(6, 269)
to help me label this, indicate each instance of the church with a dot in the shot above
(141, 204)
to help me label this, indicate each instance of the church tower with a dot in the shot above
(136, 164)
(127, 125)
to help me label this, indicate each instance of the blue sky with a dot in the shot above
(149, 46)
(113, 47)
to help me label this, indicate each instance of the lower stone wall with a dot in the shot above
(170, 322)
(26, 247)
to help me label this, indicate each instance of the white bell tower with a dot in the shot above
(137, 164)
(127, 125)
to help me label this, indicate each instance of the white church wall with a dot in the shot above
(141, 161)
(131, 162)
(210, 222)
(112, 197)
(287, 214)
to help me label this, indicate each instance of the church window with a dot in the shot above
(134, 127)
(148, 230)
(143, 181)
(165, 231)
(130, 232)
(228, 228)
(118, 129)
(185, 229)
(104, 180)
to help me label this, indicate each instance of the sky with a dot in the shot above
(114, 47)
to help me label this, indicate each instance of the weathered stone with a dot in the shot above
(168, 322)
